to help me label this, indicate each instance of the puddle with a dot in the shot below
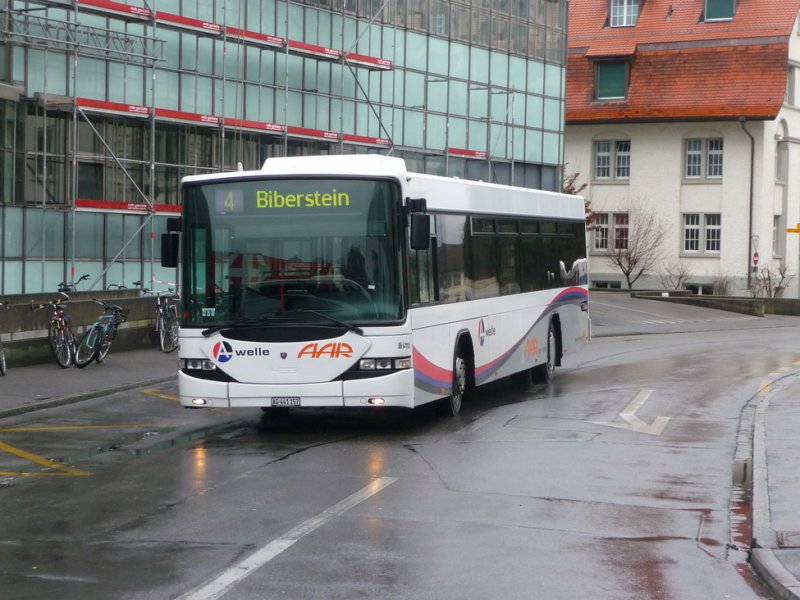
(741, 522)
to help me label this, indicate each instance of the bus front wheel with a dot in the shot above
(544, 372)
(451, 405)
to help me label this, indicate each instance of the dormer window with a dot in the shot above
(611, 79)
(625, 13)
(720, 10)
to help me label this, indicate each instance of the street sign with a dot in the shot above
(755, 258)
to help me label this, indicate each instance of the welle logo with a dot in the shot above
(223, 352)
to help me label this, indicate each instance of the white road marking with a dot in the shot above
(259, 558)
(634, 423)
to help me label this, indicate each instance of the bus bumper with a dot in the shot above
(395, 389)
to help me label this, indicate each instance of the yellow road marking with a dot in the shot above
(75, 427)
(41, 460)
(27, 474)
(160, 395)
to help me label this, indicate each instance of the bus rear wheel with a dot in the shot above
(451, 405)
(544, 372)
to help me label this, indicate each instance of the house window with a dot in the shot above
(781, 162)
(720, 10)
(600, 232)
(610, 232)
(612, 160)
(713, 232)
(702, 233)
(612, 79)
(624, 13)
(703, 159)
(621, 231)
(778, 238)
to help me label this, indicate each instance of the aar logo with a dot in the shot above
(223, 352)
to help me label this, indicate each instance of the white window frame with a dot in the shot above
(623, 13)
(616, 165)
(703, 232)
(608, 229)
(703, 159)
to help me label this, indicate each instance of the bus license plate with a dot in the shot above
(285, 401)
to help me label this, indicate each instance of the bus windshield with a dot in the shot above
(315, 250)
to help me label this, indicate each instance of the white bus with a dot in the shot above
(346, 281)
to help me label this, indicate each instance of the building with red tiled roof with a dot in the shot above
(688, 111)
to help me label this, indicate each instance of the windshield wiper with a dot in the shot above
(345, 324)
(234, 324)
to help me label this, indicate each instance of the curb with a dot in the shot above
(73, 398)
(782, 583)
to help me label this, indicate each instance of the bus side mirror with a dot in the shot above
(169, 249)
(420, 231)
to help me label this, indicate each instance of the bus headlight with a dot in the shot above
(199, 364)
(384, 364)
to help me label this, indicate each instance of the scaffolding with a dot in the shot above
(26, 27)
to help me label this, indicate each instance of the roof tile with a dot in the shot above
(681, 67)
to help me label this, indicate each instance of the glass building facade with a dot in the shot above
(105, 105)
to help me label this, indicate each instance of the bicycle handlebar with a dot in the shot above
(109, 307)
(52, 303)
(66, 287)
(169, 292)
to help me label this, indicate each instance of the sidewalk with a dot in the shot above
(776, 489)
(28, 388)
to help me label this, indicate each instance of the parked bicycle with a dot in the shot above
(3, 305)
(59, 331)
(166, 322)
(97, 340)
(71, 287)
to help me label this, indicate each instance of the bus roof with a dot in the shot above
(449, 194)
(336, 164)
(445, 194)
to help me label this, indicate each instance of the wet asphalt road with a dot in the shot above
(614, 482)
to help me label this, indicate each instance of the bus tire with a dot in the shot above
(544, 372)
(451, 405)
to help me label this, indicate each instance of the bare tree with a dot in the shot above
(637, 250)
(571, 186)
(771, 283)
(676, 274)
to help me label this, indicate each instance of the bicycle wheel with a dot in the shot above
(59, 345)
(89, 346)
(168, 332)
(172, 334)
(2, 360)
(161, 328)
(108, 337)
